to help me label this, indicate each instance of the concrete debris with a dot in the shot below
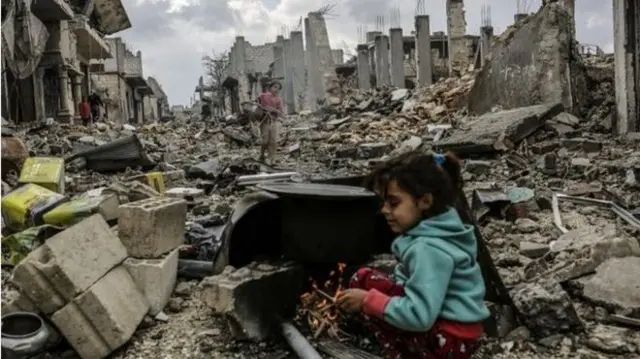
(254, 297)
(546, 308)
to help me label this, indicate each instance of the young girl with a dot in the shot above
(432, 307)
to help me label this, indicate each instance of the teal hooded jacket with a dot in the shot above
(441, 277)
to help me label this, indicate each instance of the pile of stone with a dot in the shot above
(96, 284)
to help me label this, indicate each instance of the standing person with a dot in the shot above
(95, 102)
(273, 103)
(85, 111)
(432, 307)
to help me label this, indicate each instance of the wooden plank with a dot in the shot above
(340, 350)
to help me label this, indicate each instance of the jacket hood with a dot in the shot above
(446, 227)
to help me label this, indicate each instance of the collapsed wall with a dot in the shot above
(532, 63)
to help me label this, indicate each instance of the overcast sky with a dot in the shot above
(174, 34)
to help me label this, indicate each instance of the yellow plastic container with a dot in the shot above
(25, 206)
(47, 172)
(154, 180)
(74, 211)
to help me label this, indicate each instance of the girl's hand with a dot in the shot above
(351, 300)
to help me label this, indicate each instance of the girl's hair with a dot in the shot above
(419, 174)
(275, 83)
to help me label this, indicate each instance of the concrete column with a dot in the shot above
(626, 34)
(297, 54)
(337, 56)
(570, 6)
(457, 29)
(397, 57)
(327, 72)
(77, 93)
(288, 77)
(486, 34)
(423, 51)
(313, 73)
(63, 78)
(383, 77)
(371, 36)
(364, 69)
(241, 63)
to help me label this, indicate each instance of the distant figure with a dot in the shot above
(272, 102)
(85, 111)
(95, 102)
(206, 111)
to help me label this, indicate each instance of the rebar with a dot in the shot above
(421, 7)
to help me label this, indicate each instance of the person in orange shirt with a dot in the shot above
(85, 111)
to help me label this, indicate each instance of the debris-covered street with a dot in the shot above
(168, 236)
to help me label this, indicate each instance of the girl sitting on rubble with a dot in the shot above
(432, 306)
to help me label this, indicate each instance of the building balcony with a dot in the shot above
(89, 44)
(52, 10)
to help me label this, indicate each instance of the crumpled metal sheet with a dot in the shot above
(25, 48)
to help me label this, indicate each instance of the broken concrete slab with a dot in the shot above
(104, 317)
(68, 263)
(499, 131)
(156, 278)
(152, 227)
(253, 296)
(585, 250)
(539, 47)
(545, 308)
(616, 284)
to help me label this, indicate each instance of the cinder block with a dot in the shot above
(156, 278)
(16, 301)
(250, 297)
(103, 318)
(152, 227)
(68, 263)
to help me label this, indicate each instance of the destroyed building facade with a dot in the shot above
(303, 62)
(68, 58)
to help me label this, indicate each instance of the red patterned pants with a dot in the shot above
(396, 343)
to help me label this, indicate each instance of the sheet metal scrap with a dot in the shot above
(617, 209)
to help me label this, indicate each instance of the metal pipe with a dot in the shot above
(264, 177)
(298, 342)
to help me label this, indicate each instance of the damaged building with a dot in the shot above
(65, 57)
(49, 66)
(303, 62)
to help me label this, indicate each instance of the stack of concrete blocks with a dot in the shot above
(77, 280)
(151, 230)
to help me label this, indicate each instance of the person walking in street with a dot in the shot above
(85, 111)
(273, 104)
(95, 102)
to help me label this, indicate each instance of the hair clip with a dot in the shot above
(439, 158)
